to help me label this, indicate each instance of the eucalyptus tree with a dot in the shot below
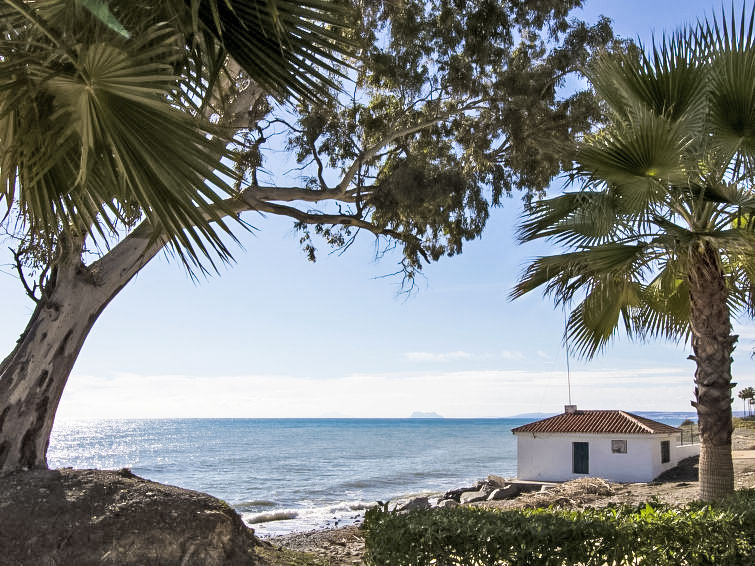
(659, 240)
(133, 131)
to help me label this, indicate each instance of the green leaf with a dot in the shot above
(101, 11)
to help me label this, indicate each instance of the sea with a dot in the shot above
(296, 475)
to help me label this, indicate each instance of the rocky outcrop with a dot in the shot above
(473, 496)
(415, 504)
(493, 488)
(506, 492)
(93, 517)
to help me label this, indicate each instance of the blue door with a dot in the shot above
(581, 457)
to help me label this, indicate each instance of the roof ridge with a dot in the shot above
(597, 421)
(637, 420)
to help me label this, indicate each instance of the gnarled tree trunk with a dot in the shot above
(712, 344)
(33, 376)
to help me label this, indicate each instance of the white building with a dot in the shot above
(614, 445)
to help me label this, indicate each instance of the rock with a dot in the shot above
(415, 504)
(507, 492)
(447, 503)
(498, 481)
(472, 497)
(486, 485)
(93, 517)
(455, 494)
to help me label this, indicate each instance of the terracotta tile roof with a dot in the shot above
(598, 422)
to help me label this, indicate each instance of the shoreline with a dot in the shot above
(344, 546)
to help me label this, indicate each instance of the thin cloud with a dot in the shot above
(452, 394)
(512, 355)
(437, 356)
(543, 355)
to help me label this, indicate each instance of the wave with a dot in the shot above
(307, 517)
(351, 506)
(254, 505)
(256, 518)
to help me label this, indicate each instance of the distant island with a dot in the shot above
(421, 415)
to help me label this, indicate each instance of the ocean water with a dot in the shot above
(288, 475)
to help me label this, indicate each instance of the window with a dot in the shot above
(665, 451)
(580, 457)
(619, 446)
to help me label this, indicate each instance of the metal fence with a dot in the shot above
(689, 436)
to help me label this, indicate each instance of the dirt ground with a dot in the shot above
(345, 546)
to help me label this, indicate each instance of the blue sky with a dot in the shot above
(277, 336)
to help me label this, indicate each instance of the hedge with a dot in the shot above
(651, 534)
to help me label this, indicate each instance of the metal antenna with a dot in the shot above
(566, 344)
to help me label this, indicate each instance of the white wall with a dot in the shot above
(548, 457)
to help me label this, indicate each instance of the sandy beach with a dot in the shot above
(345, 546)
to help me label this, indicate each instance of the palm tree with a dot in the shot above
(745, 394)
(660, 237)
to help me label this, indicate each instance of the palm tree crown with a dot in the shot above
(105, 108)
(669, 177)
(660, 238)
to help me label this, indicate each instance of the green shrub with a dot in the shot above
(745, 422)
(652, 534)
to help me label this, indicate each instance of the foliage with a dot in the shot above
(747, 422)
(451, 106)
(456, 105)
(666, 181)
(105, 109)
(649, 534)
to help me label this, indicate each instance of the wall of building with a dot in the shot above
(548, 457)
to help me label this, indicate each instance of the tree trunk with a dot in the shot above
(712, 344)
(33, 376)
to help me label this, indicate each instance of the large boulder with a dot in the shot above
(507, 492)
(473, 496)
(455, 494)
(418, 503)
(93, 517)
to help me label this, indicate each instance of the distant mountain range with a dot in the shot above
(655, 415)
(421, 415)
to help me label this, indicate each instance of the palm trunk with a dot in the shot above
(712, 344)
(33, 376)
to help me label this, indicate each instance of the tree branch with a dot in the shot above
(20, 270)
(371, 152)
(289, 194)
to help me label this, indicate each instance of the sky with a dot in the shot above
(277, 336)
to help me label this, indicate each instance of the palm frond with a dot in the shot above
(288, 47)
(668, 82)
(566, 273)
(593, 323)
(732, 108)
(635, 156)
(86, 133)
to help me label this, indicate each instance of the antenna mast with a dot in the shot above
(566, 344)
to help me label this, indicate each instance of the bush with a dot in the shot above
(744, 422)
(654, 534)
